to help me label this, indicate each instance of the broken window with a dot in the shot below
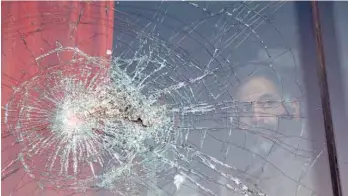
(157, 98)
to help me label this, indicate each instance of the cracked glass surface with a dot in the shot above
(200, 98)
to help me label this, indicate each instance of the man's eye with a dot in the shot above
(269, 104)
(247, 107)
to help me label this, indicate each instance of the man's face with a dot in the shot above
(260, 103)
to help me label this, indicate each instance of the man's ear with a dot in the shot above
(295, 108)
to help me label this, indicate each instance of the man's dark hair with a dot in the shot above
(283, 78)
(249, 71)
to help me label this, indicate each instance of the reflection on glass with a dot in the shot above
(160, 98)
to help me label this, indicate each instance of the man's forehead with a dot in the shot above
(256, 87)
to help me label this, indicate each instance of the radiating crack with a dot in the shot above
(162, 114)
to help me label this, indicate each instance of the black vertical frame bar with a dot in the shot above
(325, 100)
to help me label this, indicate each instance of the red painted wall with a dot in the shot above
(30, 29)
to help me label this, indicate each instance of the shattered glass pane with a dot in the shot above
(163, 98)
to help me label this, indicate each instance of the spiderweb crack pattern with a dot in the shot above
(159, 112)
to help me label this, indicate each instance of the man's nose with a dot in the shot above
(256, 113)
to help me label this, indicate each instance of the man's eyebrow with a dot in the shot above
(268, 97)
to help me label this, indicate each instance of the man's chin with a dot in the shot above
(284, 128)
